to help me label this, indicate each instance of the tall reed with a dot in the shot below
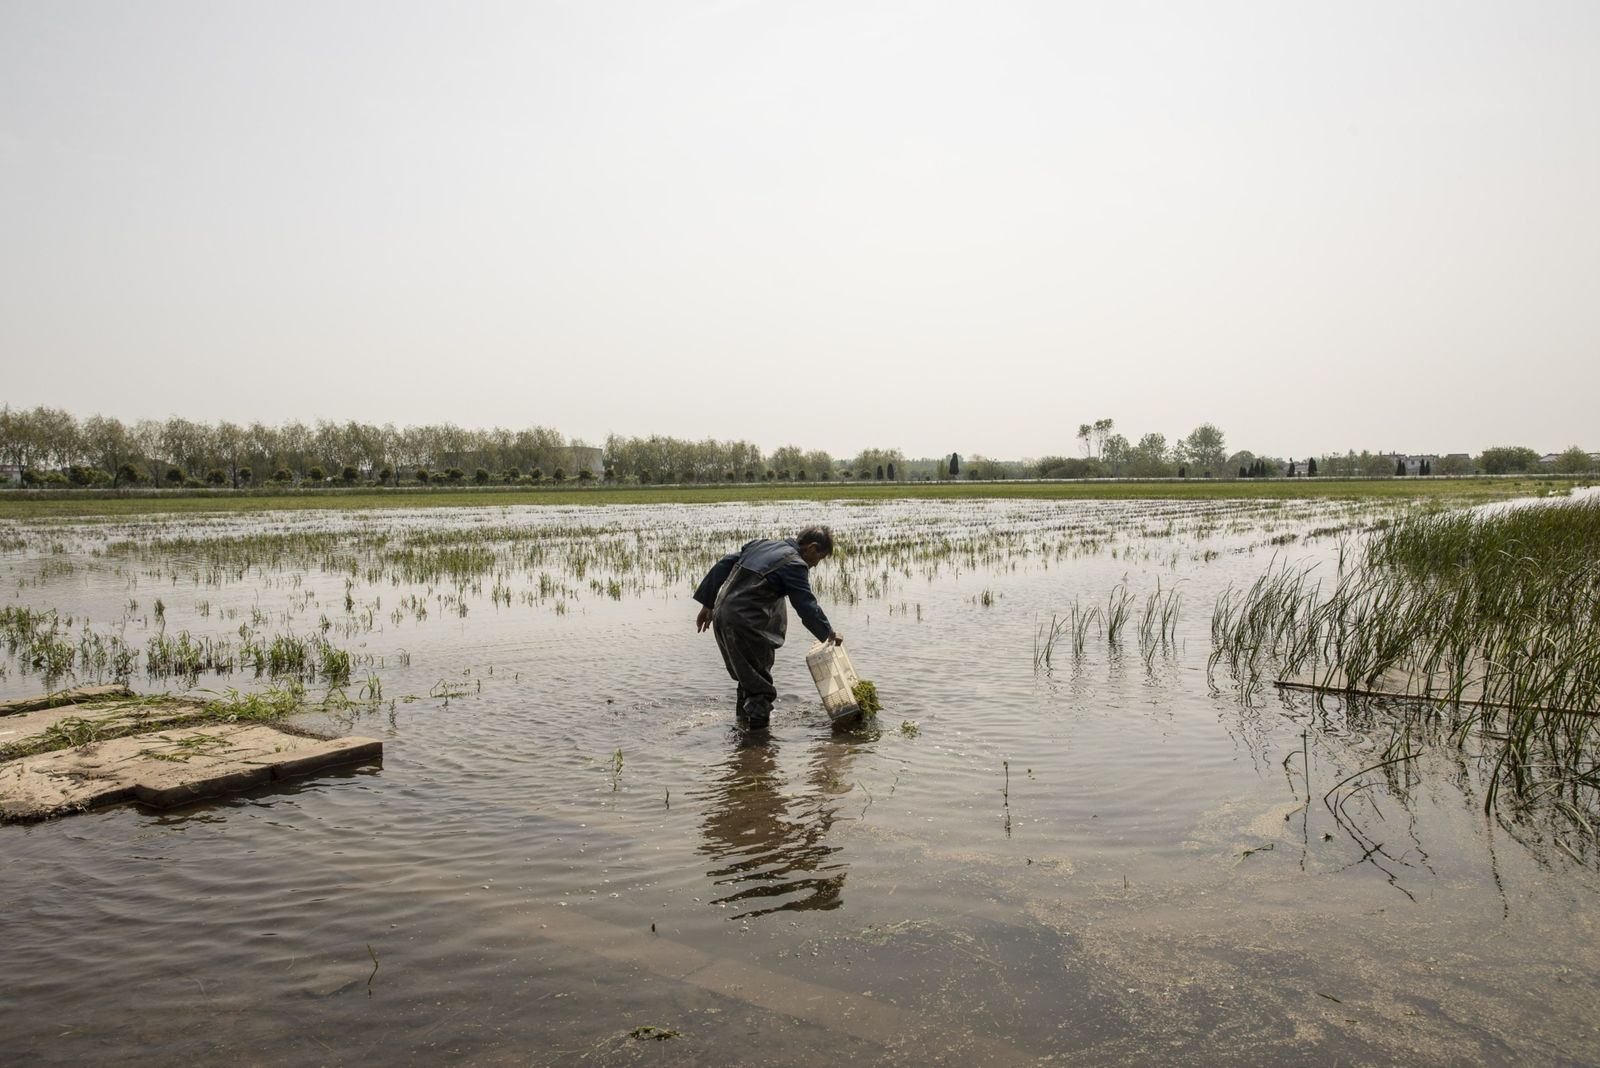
(1492, 617)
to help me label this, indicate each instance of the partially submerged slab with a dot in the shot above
(78, 695)
(1410, 683)
(1396, 682)
(169, 768)
(83, 749)
(97, 717)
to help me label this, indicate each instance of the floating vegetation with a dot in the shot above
(651, 1031)
(866, 698)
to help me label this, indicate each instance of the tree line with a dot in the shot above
(101, 448)
(51, 446)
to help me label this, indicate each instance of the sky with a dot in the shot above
(922, 225)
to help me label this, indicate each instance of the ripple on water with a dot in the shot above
(586, 766)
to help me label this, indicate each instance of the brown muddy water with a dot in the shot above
(570, 857)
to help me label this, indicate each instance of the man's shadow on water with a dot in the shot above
(771, 842)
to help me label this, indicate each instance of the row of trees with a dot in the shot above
(1499, 460)
(51, 439)
(177, 450)
(104, 449)
(667, 459)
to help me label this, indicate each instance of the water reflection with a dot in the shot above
(770, 842)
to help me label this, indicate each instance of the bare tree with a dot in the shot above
(1102, 431)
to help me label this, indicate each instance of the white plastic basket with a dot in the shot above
(835, 679)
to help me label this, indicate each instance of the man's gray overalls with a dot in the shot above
(745, 591)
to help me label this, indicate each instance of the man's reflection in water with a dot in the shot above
(770, 839)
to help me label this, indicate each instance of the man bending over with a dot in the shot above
(741, 600)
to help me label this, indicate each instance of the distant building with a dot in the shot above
(588, 458)
(1549, 459)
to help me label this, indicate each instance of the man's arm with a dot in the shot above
(706, 592)
(796, 578)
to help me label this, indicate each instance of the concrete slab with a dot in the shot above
(1406, 682)
(21, 732)
(1396, 682)
(55, 784)
(168, 768)
(78, 695)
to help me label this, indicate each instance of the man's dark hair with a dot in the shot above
(821, 537)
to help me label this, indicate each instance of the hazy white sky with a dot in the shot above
(932, 226)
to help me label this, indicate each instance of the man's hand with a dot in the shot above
(703, 620)
(836, 638)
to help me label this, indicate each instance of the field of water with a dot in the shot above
(1068, 837)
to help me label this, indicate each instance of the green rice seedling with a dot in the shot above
(1082, 620)
(1118, 607)
(1169, 616)
(187, 656)
(51, 655)
(287, 654)
(1148, 618)
(333, 664)
(1044, 642)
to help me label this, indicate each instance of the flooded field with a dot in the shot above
(1069, 836)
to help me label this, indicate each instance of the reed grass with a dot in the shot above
(1118, 608)
(1491, 616)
